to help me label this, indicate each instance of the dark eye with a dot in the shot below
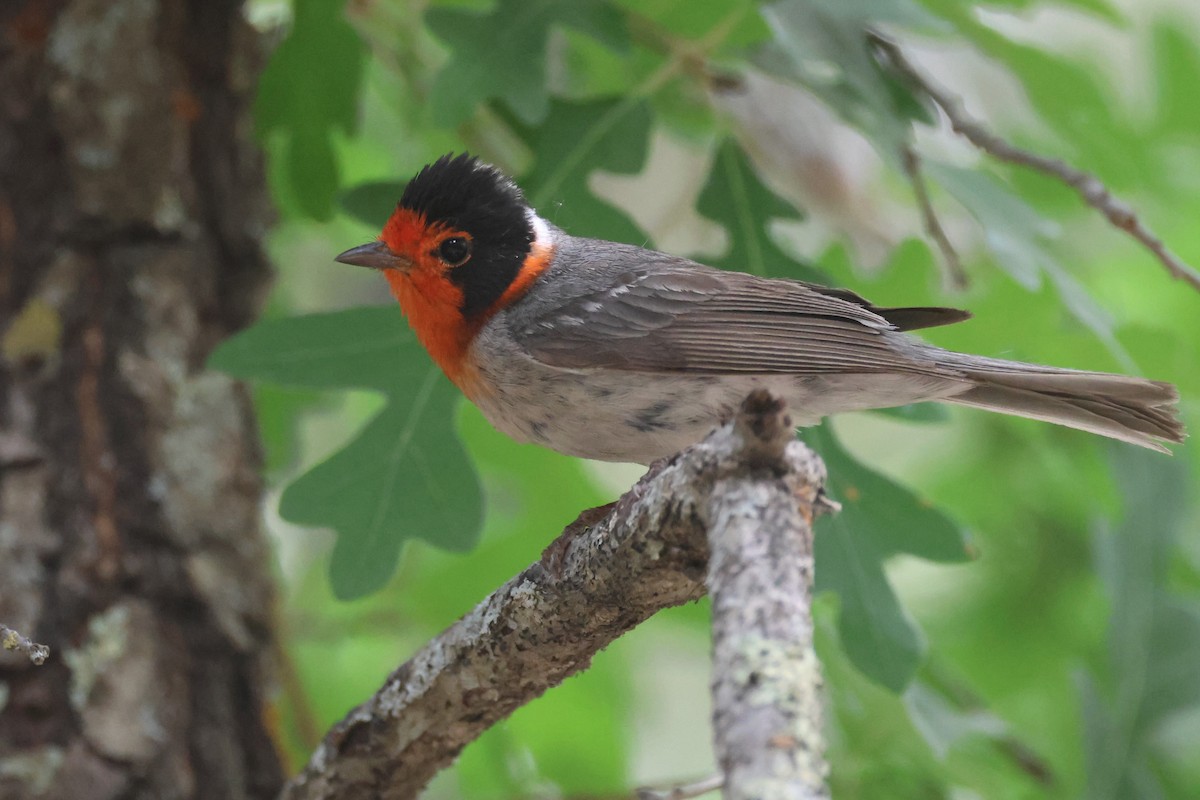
(455, 251)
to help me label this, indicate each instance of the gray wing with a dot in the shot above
(681, 317)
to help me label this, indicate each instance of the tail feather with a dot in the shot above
(1134, 410)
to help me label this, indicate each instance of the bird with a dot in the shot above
(615, 352)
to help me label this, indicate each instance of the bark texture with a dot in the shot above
(131, 205)
(610, 570)
(766, 677)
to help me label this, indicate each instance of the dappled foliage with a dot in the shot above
(1006, 608)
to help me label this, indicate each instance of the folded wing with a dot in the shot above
(685, 318)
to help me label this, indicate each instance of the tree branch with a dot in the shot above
(955, 275)
(766, 678)
(1088, 186)
(13, 640)
(608, 571)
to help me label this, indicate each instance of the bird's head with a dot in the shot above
(461, 233)
(461, 246)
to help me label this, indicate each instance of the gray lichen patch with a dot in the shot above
(119, 681)
(36, 768)
(106, 641)
(109, 81)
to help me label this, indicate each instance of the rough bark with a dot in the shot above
(610, 570)
(766, 677)
(131, 205)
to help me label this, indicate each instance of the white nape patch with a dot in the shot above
(541, 231)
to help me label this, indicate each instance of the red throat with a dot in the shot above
(431, 303)
(427, 298)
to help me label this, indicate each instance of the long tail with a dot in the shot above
(1134, 410)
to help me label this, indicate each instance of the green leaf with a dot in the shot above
(364, 348)
(1080, 107)
(405, 476)
(1174, 683)
(608, 135)
(1178, 72)
(371, 203)
(695, 18)
(1153, 638)
(502, 54)
(879, 518)
(1069, 96)
(591, 70)
(880, 639)
(735, 197)
(532, 493)
(577, 735)
(952, 9)
(278, 409)
(1019, 238)
(685, 109)
(307, 104)
(1016, 234)
(942, 724)
(822, 45)
(865, 13)
(1101, 8)
(1122, 776)
(890, 516)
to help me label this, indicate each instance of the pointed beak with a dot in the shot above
(375, 255)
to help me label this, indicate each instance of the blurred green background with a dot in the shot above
(1007, 608)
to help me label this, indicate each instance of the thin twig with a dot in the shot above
(12, 640)
(684, 791)
(953, 272)
(303, 720)
(1088, 186)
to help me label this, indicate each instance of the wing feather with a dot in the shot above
(681, 317)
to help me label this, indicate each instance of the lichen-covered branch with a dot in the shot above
(766, 678)
(608, 571)
(1088, 186)
(13, 640)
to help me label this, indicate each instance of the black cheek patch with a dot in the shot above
(485, 278)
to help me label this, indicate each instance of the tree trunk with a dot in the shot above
(131, 203)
